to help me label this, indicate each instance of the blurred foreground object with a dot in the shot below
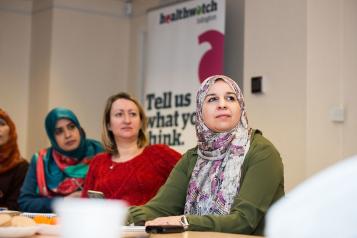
(322, 206)
(90, 218)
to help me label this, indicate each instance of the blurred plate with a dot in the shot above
(10, 212)
(18, 231)
(46, 229)
(32, 215)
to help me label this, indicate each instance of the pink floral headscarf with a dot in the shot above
(215, 179)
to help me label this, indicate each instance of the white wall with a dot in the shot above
(89, 58)
(332, 68)
(15, 28)
(275, 48)
(349, 74)
(39, 75)
(79, 53)
(307, 52)
(138, 30)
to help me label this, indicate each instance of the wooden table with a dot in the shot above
(187, 234)
(196, 234)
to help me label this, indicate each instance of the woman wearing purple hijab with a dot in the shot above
(229, 180)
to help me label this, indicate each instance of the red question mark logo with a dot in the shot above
(211, 62)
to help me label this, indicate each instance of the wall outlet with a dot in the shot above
(337, 114)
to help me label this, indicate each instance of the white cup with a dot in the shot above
(90, 218)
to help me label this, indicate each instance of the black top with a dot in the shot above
(10, 184)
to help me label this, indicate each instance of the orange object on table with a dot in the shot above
(45, 220)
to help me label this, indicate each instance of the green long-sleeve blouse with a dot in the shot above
(262, 183)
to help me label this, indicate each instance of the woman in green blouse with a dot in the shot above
(226, 183)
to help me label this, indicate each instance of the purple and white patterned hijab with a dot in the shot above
(215, 179)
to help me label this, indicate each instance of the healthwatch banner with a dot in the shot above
(185, 45)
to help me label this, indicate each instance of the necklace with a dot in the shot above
(113, 165)
(117, 159)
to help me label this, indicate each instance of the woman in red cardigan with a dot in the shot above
(130, 170)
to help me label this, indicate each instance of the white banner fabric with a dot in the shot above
(185, 44)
